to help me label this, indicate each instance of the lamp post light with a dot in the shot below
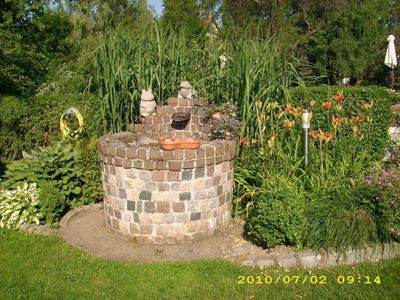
(306, 127)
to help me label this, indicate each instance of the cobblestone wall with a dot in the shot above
(160, 196)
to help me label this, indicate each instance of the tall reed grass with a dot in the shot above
(256, 69)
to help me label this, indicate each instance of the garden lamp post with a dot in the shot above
(306, 127)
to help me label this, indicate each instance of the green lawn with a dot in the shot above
(35, 267)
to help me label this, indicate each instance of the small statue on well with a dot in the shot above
(147, 103)
(186, 91)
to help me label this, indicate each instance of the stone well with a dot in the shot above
(159, 196)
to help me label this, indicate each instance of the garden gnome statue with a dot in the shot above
(147, 103)
(186, 90)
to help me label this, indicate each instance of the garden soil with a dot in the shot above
(87, 230)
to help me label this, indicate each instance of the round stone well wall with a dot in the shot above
(159, 196)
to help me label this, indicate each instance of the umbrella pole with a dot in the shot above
(392, 78)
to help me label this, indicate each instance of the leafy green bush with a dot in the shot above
(379, 194)
(33, 122)
(63, 177)
(278, 213)
(53, 202)
(19, 206)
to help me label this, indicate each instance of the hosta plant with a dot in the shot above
(19, 206)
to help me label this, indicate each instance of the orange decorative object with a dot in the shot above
(175, 143)
(339, 96)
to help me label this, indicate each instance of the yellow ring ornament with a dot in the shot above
(65, 130)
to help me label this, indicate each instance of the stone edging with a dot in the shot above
(305, 258)
(311, 259)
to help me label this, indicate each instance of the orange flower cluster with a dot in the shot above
(357, 119)
(244, 140)
(339, 97)
(323, 136)
(327, 104)
(337, 121)
(289, 124)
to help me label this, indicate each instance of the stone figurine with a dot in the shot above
(186, 90)
(147, 103)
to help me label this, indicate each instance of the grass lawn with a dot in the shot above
(36, 267)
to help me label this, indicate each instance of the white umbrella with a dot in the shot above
(390, 58)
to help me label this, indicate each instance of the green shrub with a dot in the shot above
(52, 202)
(56, 170)
(379, 194)
(19, 206)
(278, 213)
(28, 123)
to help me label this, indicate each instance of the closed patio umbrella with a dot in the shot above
(390, 58)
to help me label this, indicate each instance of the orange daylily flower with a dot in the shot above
(357, 119)
(289, 108)
(327, 136)
(289, 124)
(339, 96)
(327, 104)
(337, 121)
(272, 136)
(244, 140)
(313, 133)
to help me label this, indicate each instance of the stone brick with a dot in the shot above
(178, 154)
(137, 164)
(225, 166)
(200, 153)
(190, 154)
(309, 259)
(131, 205)
(221, 199)
(220, 190)
(117, 214)
(133, 228)
(209, 152)
(158, 176)
(122, 193)
(192, 206)
(155, 154)
(118, 162)
(175, 165)
(110, 210)
(145, 195)
(111, 151)
(141, 154)
(182, 218)
(217, 180)
(210, 171)
(139, 206)
(136, 217)
(166, 155)
(173, 175)
(115, 224)
(200, 195)
(169, 218)
(149, 165)
(286, 260)
(172, 101)
(150, 186)
(187, 174)
(195, 216)
(149, 207)
(131, 153)
(200, 163)
(175, 186)
(354, 256)
(163, 187)
(178, 207)
(147, 229)
(161, 165)
(185, 196)
(163, 207)
(188, 164)
(162, 229)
